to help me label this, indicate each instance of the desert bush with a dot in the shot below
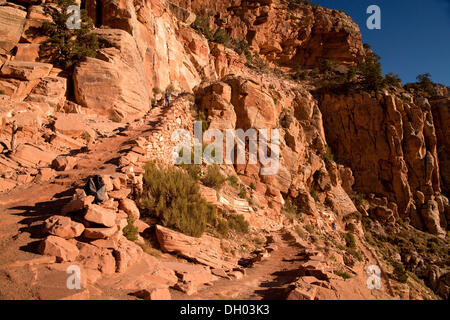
(86, 136)
(201, 116)
(252, 186)
(392, 79)
(313, 194)
(242, 193)
(238, 223)
(233, 181)
(130, 231)
(2, 91)
(399, 272)
(326, 65)
(328, 156)
(222, 227)
(241, 47)
(194, 170)
(67, 47)
(350, 241)
(213, 177)
(221, 36)
(424, 85)
(310, 228)
(201, 24)
(371, 72)
(172, 196)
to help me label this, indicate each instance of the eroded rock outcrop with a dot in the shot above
(391, 145)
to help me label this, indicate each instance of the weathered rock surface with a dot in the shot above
(62, 249)
(63, 227)
(12, 21)
(205, 250)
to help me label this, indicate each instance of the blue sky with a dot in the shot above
(414, 36)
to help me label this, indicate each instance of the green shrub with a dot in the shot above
(310, 228)
(172, 196)
(194, 170)
(222, 227)
(350, 241)
(130, 231)
(371, 72)
(201, 24)
(313, 194)
(326, 65)
(213, 177)
(300, 232)
(392, 79)
(67, 47)
(238, 223)
(2, 91)
(329, 157)
(424, 85)
(399, 272)
(86, 136)
(156, 90)
(241, 47)
(221, 36)
(203, 118)
(233, 181)
(242, 193)
(252, 186)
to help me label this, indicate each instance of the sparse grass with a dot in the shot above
(252, 186)
(148, 249)
(343, 274)
(2, 91)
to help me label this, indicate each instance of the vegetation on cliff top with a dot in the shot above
(67, 47)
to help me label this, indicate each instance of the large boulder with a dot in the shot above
(100, 215)
(27, 71)
(114, 85)
(60, 248)
(12, 21)
(205, 250)
(63, 227)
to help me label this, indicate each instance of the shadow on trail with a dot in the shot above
(277, 289)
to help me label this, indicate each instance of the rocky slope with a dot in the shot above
(385, 189)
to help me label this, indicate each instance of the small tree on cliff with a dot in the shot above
(66, 47)
(371, 72)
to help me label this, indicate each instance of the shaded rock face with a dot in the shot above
(441, 116)
(391, 145)
(287, 35)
